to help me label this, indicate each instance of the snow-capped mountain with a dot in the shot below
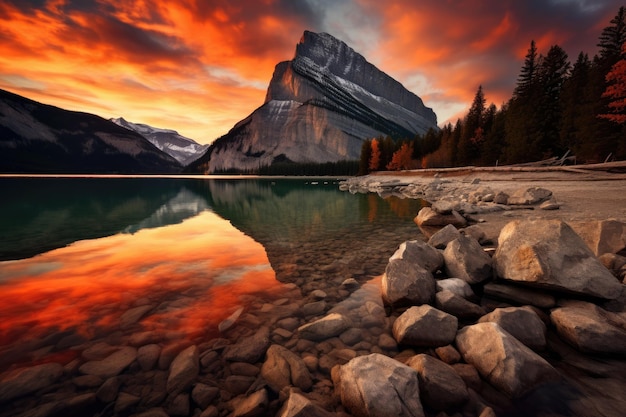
(181, 148)
(39, 138)
(319, 107)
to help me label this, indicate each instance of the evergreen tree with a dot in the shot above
(577, 105)
(613, 37)
(527, 74)
(364, 160)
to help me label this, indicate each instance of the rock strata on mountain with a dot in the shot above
(181, 148)
(38, 138)
(319, 107)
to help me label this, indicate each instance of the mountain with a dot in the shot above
(183, 149)
(319, 107)
(38, 138)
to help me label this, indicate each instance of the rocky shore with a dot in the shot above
(512, 305)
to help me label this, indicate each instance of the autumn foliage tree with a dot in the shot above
(616, 91)
(374, 161)
(402, 158)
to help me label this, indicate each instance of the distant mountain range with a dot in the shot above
(319, 107)
(38, 138)
(181, 148)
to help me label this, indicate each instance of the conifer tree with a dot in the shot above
(613, 37)
(364, 160)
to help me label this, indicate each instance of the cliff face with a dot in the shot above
(319, 107)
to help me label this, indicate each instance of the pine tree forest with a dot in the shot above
(557, 108)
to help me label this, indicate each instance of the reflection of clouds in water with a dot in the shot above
(224, 277)
(193, 271)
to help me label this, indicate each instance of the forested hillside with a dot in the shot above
(557, 108)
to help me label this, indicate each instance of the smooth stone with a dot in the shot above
(330, 326)
(112, 365)
(183, 371)
(203, 395)
(148, 356)
(284, 368)
(250, 349)
(25, 381)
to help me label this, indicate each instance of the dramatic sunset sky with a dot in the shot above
(199, 66)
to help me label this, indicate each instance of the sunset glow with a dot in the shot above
(199, 67)
(190, 277)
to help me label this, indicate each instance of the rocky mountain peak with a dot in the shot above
(320, 107)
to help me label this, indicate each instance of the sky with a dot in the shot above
(200, 66)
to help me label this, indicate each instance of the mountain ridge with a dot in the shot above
(40, 138)
(185, 150)
(319, 107)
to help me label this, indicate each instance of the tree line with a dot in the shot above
(556, 108)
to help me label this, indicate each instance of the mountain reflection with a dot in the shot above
(177, 281)
(40, 214)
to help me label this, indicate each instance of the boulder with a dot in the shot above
(378, 386)
(441, 238)
(283, 368)
(112, 365)
(148, 356)
(429, 217)
(520, 322)
(183, 371)
(590, 328)
(465, 258)
(525, 196)
(502, 360)
(448, 354)
(425, 326)
(441, 388)
(419, 253)
(602, 236)
(250, 349)
(405, 283)
(519, 295)
(298, 405)
(330, 326)
(458, 306)
(549, 254)
(24, 381)
(456, 286)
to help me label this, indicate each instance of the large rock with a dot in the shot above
(378, 386)
(250, 349)
(405, 283)
(502, 360)
(253, 405)
(520, 322)
(591, 329)
(532, 195)
(183, 370)
(549, 254)
(441, 387)
(112, 365)
(24, 381)
(283, 368)
(441, 238)
(602, 236)
(465, 259)
(330, 326)
(425, 326)
(427, 217)
(419, 253)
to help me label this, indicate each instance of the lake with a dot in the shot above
(130, 261)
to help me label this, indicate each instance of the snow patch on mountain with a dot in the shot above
(181, 148)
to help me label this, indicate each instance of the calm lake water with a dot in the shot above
(137, 260)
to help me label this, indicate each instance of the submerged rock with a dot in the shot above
(330, 326)
(24, 381)
(112, 365)
(183, 371)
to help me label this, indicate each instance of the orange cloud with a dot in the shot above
(199, 67)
